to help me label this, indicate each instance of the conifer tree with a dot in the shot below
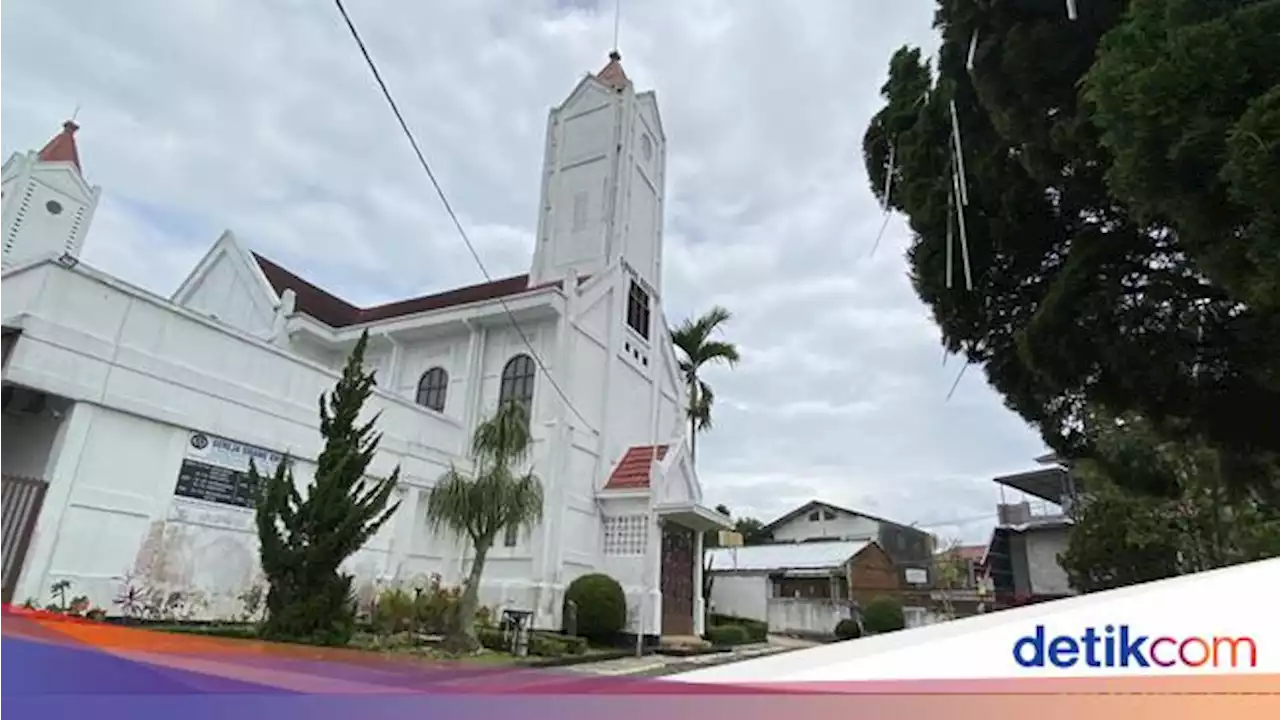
(304, 541)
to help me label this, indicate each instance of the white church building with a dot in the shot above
(129, 418)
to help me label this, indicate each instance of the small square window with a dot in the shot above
(828, 515)
(814, 516)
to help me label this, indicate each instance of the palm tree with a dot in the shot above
(693, 337)
(495, 497)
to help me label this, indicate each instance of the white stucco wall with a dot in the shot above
(1043, 547)
(741, 595)
(843, 527)
(144, 375)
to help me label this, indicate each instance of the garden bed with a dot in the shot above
(553, 649)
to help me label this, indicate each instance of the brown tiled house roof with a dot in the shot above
(336, 312)
(632, 471)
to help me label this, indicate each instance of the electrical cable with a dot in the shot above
(448, 207)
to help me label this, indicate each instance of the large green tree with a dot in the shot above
(699, 350)
(494, 496)
(1122, 536)
(304, 540)
(1083, 296)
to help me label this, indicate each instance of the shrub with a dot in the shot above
(492, 639)
(546, 645)
(436, 607)
(573, 645)
(395, 612)
(542, 644)
(848, 629)
(757, 631)
(883, 615)
(601, 606)
(728, 635)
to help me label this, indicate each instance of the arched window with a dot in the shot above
(517, 381)
(432, 388)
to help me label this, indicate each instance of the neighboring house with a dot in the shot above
(130, 418)
(1021, 559)
(910, 548)
(799, 588)
(971, 594)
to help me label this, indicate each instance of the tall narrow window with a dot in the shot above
(433, 387)
(638, 310)
(510, 536)
(517, 381)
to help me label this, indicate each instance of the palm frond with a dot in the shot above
(717, 350)
(700, 412)
(493, 497)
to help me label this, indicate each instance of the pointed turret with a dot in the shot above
(612, 74)
(62, 148)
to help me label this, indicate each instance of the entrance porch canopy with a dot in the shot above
(693, 516)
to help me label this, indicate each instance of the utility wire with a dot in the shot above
(444, 200)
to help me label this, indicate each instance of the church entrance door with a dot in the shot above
(677, 580)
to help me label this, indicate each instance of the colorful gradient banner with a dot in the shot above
(56, 667)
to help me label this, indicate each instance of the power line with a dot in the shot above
(444, 200)
(957, 521)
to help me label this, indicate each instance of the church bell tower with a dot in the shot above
(602, 184)
(47, 204)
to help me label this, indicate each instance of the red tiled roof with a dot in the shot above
(612, 74)
(971, 552)
(336, 312)
(632, 471)
(62, 148)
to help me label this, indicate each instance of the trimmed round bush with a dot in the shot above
(601, 606)
(848, 629)
(883, 615)
(757, 631)
(722, 635)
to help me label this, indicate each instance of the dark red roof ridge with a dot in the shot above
(336, 312)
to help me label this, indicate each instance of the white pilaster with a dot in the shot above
(475, 381)
(699, 602)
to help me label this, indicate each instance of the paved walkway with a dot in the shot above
(651, 665)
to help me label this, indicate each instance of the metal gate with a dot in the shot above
(22, 499)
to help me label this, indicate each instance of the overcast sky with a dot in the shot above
(261, 117)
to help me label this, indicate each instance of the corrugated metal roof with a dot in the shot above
(784, 556)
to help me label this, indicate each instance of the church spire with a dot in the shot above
(612, 74)
(62, 148)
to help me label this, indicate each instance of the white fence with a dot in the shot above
(806, 616)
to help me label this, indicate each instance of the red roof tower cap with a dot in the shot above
(62, 148)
